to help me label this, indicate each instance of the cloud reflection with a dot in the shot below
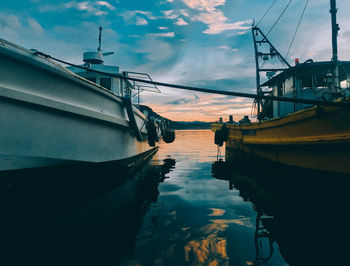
(216, 212)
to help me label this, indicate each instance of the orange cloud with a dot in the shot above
(207, 108)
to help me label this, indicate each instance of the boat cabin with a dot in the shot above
(94, 61)
(309, 80)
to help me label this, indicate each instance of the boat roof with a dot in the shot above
(98, 67)
(304, 71)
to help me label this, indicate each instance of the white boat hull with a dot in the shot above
(49, 116)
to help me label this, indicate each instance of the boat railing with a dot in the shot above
(136, 87)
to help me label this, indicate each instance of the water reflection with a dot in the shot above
(303, 211)
(199, 223)
(167, 214)
(76, 216)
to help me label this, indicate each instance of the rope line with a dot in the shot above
(205, 90)
(296, 30)
(267, 11)
(242, 94)
(284, 10)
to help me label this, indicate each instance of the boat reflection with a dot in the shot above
(89, 217)
(303, 211)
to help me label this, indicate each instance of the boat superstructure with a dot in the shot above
(293, 132)
(53, 115)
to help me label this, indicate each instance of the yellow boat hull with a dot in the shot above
(316, 138)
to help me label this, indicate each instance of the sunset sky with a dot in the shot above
(204, 43)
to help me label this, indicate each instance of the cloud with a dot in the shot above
(35, 26)
(137, 17)
(181, 22)
(209, 107)
(175, 13)
(207, 5)
(106, 4)
(90, 7)
(184, 12)
(198, 66)
(155, 51)
(182, 101)
(9, 24)
(15, 27)
(170, 14)
(141, 21)
(227, 48)
(162, 28)
(217, 22)
(165, 34)
(145, 13)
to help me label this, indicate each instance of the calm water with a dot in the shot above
(181, 208)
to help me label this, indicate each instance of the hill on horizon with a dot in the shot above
(178, 124)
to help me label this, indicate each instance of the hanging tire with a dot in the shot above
(221, 135)
(151, 132)
(169, 136)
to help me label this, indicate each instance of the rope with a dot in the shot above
(241, 94)
(284, 10)
(254, 109)
(266, 12)
(227, 93)
(218, 154)
(296, 30)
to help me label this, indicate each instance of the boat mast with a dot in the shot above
(99, 49)
(258, 87)
(260, 39)
(335, 29)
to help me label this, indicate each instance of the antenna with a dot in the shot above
(96, 57)
(99, 39)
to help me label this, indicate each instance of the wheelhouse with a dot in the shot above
(309, 80)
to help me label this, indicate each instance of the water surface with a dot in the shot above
(201, 222)
(181, 208)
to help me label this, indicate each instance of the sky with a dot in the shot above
(204, 43)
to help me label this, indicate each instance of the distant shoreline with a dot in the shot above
(178, 125)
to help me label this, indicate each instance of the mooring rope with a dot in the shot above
(205, 90)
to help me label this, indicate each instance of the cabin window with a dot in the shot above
(288, 85)
(106, 83)
(92, 79)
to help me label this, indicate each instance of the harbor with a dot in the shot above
(182, 132)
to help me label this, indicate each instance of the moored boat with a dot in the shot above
(52, 115)
(288, 130)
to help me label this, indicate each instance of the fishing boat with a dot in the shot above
(303, 113)
(53, 115)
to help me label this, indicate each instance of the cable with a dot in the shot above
(296, 30)
(284, 10)
(228, 93)
(266, 12)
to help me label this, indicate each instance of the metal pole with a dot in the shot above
(335, 29)
(138, 96)
(99, 49)
(258, 89)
